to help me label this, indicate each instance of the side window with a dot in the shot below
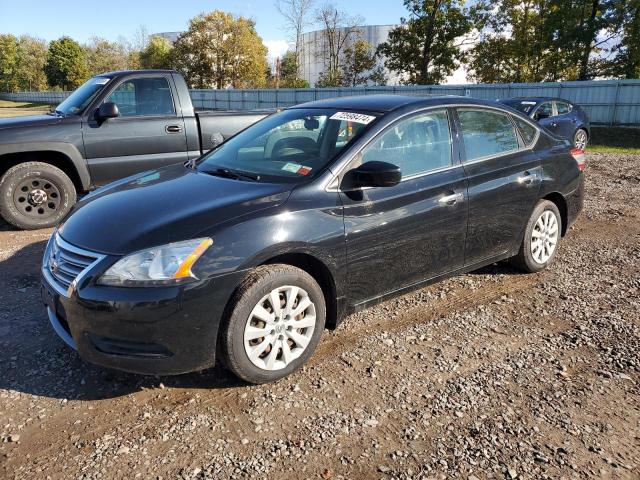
(563, 108)
(544, 111)
(527, 131)
(417, 145)
(146, 96)
(486, 133)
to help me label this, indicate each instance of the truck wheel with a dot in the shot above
(276, 320)
(35, 195)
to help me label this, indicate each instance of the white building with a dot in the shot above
(312, 61)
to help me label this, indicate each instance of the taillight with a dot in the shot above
(580, 157)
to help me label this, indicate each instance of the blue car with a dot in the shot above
(557, 115)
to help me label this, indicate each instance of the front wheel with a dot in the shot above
(541, 238)
(278, 315)
(35, 195)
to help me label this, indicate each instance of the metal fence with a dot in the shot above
(611, 102)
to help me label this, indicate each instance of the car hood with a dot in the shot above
(29, 121)
(163, 206)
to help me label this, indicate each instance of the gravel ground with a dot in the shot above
(493, 374)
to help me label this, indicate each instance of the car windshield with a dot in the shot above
(286, 147)
(525, 106)
(78, 100)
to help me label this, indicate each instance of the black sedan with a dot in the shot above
(323, 209)
(559, 116)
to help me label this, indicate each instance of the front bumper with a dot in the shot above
(157, 330)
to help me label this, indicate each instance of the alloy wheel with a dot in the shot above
(580, 140)
(279, 328)
(544, 237)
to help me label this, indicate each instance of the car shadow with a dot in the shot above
(500, 268)
(34, 360)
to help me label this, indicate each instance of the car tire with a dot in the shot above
(262, 344)
(580, 139)
(35, 195)
(541, 238)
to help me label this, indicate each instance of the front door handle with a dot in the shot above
(527, 178)
(451, 199)
(173, 128)
(554, 124)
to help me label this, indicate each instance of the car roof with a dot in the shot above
(388, 103)
(535, 99)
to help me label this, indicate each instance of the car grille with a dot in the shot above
(66, 262)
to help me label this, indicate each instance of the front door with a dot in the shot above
(147, 134)
(402, 235)
(504, 177)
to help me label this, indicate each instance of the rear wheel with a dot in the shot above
(580, 139)
(541, 238)
(35, 195)
(276, 323)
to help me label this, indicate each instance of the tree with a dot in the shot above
(625, 62)
(31, 59)
(8, 63)
(338, 31)
(360, 65)
(296, 15)
(105, 56)
(157, 53)
(66, 65)
(424, 47)
(221, 50)
(289, 72)
(543, 40)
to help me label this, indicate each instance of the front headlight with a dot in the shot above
(165, 265)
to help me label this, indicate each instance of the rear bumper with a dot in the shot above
(575, 202)
(160, 331)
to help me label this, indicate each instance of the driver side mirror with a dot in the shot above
(541, 115)
(107, 110)
(374, 174)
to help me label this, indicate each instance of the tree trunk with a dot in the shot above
(428, 42)
(588, 41)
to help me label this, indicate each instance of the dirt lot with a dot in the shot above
(493, 374)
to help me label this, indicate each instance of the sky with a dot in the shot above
(49, 19)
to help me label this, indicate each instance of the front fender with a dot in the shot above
(67, 149)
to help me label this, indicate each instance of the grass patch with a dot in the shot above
(607, 149)
(616, 139)
(17, 109)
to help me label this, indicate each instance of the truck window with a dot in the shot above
(141, 97)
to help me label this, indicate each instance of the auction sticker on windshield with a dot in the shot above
(353, 117)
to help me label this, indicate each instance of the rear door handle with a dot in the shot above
(173, 128)
(451, 199)
(528, 178)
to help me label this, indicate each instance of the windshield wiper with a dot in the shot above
(235, 174)
(56, 112)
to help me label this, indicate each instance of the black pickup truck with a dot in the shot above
(114, 125)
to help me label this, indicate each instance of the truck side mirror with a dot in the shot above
(107, 110)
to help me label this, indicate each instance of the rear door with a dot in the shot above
(565, 120)
(504, 175)
(149, 132)
(545, 116)
(402, 235)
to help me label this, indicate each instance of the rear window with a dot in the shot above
(527, 131)
(525, 106)
(486, 133)
(563, 108)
